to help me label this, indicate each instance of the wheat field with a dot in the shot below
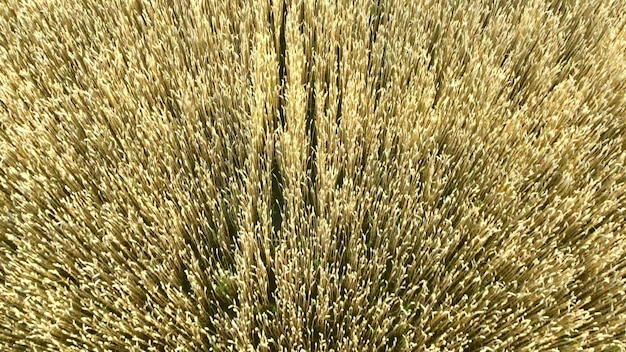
(330, 175)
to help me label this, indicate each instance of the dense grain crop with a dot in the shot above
(331, 175)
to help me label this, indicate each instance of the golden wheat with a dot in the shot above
(388, 175)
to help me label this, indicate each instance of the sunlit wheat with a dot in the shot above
(388, 175)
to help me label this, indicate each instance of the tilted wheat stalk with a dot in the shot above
(331, 175)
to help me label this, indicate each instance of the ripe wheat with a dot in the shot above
(330, 175)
